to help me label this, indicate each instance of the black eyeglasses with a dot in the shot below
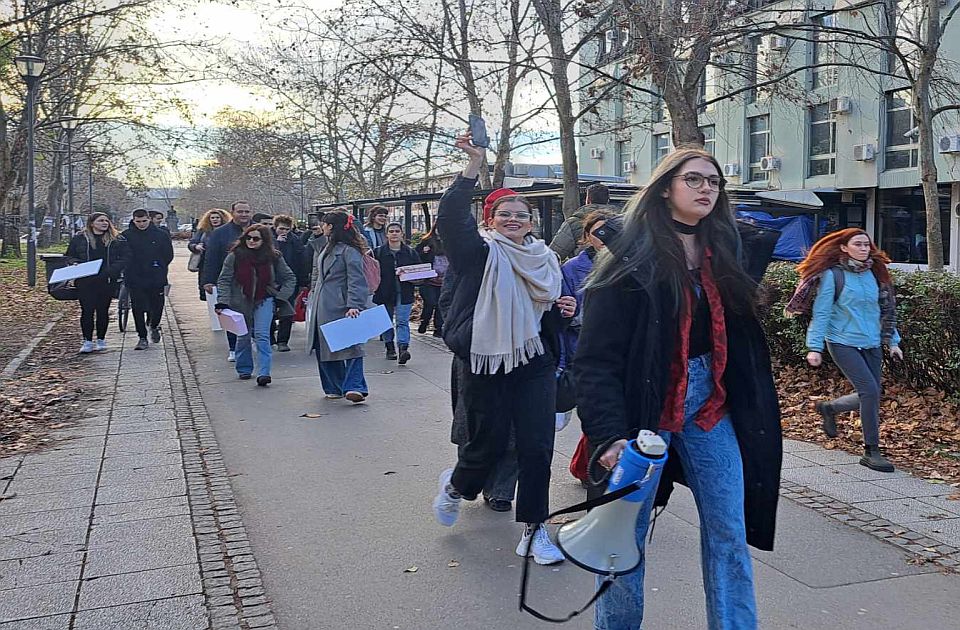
(695, 181)
(253, 239)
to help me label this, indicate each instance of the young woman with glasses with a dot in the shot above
(670, 342)
(254, 281)
(503, 315)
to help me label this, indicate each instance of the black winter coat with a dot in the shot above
(217, 247)
(387, 291)
(298, 259)
(467, 253)
(114, 257)
(151, 252)
(622, 373)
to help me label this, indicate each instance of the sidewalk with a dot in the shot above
(129, 521)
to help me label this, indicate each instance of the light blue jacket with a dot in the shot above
(853, 319)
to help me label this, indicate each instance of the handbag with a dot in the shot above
(300, 306)
(194, 263)
(63, 291)
(566, 391)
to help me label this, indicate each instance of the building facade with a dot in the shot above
(839, 136)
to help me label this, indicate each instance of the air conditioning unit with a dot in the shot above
(596, 153)
(731, 170)
(864, 152)
(769, 163)
(629, 166)
(950, 144)
(776, 42)
(840, 105)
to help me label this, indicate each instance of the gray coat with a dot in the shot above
(340, 287)
(281, 286)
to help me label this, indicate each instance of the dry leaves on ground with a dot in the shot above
(24, 311)
(919, 430)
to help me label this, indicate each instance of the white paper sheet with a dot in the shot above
(346, 332)
(233, 321)
(72, 272)
(212, 312)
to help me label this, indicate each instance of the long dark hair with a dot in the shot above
(266, 251)
(344, 230)
(649, 244)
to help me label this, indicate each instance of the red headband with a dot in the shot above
(349, 224)
(492, 198)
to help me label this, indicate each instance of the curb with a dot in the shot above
(232, 584)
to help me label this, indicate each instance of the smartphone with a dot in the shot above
(478, 132)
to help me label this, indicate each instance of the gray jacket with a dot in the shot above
(281, 287)
(340, 286)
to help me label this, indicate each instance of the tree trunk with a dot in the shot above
(51, 234)
(927, 158)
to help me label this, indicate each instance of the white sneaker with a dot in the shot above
(445, 507)
(101, 344)
(543, 549)
(87, 347)
(232, 357)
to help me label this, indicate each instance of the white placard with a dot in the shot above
(233, 321)
(350, 331)
(212, 311)
(72, 272)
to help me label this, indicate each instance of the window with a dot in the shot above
(900, 151)
(624, 154)
(751, 53)
(658, 111)
(903, 224)
(823, 142)
(710, 139)
(759, 129)
(824, 52)
(661, 147)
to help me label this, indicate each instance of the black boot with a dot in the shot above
(829, 418)
(422, 328)
(404, 354)
(391, 351)
(874, 459)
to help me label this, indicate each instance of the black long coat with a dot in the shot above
(622, 373)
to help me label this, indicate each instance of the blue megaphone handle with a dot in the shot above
(640, 462)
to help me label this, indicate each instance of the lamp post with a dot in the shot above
(69, 126)
(30, 68)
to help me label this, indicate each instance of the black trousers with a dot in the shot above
(524, 399)
(95, 296)
(431, 299)
(147, 306)
(280, 329)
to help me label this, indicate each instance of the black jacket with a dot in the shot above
(467, 253)
(387, 291)
(297, 259)
(151, 253)
(114, 257)
(217, 248)
(622, 373)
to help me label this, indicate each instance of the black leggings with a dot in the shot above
(431, 309)
(95, 297)
(147, 305)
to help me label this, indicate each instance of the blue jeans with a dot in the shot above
(262, 317)
(400, 313)
(340, 377)
(714, 472)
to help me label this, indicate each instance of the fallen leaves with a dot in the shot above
(312, 415)
(412, 569)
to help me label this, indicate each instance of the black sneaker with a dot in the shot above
(142, 344)
(282, 347)
(422, 328)
(404, 355)
(829, 418)
(874, 460)
(498, 505)
(245, 377)
(263, 381)
(155, 334)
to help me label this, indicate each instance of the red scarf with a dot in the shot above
(254, 276)
(714, 408)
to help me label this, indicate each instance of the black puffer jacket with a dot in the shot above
(151, 253)
(467, 253)
(114, 257)
(387, 291)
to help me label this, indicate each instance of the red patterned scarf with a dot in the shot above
(714, 408)
(253, 276)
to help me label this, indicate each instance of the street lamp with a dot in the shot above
(69, 126)
(30, 68)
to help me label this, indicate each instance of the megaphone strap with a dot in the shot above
(586, 505)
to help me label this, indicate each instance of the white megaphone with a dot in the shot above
(605, 540)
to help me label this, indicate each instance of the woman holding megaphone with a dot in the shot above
(670, 342)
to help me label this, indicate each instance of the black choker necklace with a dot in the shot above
(683, 228)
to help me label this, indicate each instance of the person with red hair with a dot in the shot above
(853, 314)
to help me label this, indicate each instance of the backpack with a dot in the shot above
(801, 304)
(371, 271)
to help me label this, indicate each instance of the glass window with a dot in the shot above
(900, 151)
(903, 224)
(823, 141)
(661, 147)
(759, 129)
(824, 52)
(710, 139)
(751, 51)
(624, 154)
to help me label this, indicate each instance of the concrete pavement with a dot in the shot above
(336, 503)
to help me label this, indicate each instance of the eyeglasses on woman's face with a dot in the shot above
(519, 216)
(253, 238)
(695, 181)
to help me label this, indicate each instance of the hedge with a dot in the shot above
(928, 318)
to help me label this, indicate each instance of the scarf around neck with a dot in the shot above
(520, 283)
(254, 276)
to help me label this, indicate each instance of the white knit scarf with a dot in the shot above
(520, 283)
